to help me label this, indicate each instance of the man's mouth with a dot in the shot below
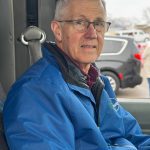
(88, 46)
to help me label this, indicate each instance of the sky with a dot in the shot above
(126, 8)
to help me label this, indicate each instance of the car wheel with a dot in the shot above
(114, 81)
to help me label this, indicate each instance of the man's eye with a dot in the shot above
(80, 22)
(102, 24)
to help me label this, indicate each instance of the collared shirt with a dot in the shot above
(92, 75)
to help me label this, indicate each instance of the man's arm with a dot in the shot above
(34, 118)
(133, 132)
(130, 128)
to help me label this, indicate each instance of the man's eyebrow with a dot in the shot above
(99, 19)
(81, 17)
(86, 18)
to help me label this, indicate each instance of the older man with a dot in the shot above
(62, 102)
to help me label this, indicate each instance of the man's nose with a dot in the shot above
(91, 32)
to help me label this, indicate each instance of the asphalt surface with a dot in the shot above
(140, 91)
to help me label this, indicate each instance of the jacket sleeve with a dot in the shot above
(132, 130)
(35, 118)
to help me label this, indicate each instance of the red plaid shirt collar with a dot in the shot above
(92, 75)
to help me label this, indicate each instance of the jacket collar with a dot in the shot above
(70, 70)
(75, 78)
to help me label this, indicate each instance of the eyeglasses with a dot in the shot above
(83, 25)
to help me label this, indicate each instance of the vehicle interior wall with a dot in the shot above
(20, 24)
(141, 114)
(15, 16)
(7, 48)
(46, 14)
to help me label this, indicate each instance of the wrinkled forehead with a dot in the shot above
(91, 9)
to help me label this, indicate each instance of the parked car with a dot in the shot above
(138, 35)
(120, 62)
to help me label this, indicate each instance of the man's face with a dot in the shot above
(82, 47)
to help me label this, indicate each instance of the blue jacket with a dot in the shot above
(51, 108)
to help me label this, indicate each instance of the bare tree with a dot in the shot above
(146, 14)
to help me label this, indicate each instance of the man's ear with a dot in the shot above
(56, 28)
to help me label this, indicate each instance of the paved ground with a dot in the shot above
(140, 91)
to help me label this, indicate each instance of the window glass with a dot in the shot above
(112, 46)
(141, 33)
(128, 65)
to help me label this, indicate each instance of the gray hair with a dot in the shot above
(62, 4)
(60, 8)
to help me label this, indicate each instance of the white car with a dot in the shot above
(138, 35)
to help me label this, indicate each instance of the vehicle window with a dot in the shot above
(131, 33)
(125, 70)
(135, 33)
(125, 24)
(112, 46)
(141, 33)
(125, 33)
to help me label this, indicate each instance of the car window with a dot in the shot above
(127, 24)
(130, 33)
(141, 33)
(125, 71)
(113, 46)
